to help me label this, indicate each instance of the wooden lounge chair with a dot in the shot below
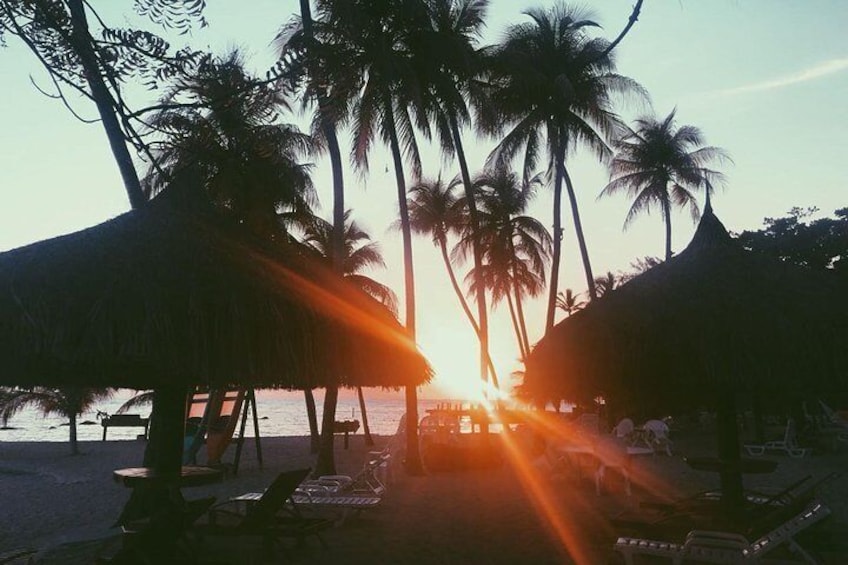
(789, 444)
(266, 515)
(705, 546)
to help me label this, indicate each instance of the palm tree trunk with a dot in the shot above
(329, 130)
(581, 238)
(557, 236)
(523, 352)
(104, 102)
(482, 311)
(519, 308)
(465, 308)
(72, 431)
(667, 217)
(311, 414)
(413, 455)
(369, 441)
(522, 323)
(326, 461)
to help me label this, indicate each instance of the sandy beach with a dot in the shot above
(523, 512)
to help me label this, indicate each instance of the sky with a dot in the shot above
(766, 80)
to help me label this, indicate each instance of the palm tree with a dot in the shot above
(67, 402)
(226, 133)
(516, 247)
(569, 302)
(659, 164)
(606, 283)
(554, 85)
(448, 60)
(435, 210)
(368, 61)
(222, 127)
(359, 254)
(302, 51)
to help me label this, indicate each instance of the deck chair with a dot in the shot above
(342, 504)
(265, 515)
(789, 444)
(371, 478)
(658, 433)
(704, 546)
(835, 422)
(624, 429)
(611, 454)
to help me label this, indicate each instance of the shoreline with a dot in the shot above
(52, 499)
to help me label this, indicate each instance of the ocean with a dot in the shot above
(281, 414)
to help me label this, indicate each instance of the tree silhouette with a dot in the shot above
(67, 402)
(516, 247)
(553, 85)
(569, 302)
(659, 164)
(366, 55)
(58, 34)
(359, 254)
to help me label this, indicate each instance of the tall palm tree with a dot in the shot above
(554, 84)
(516, 247)
(448, 60)
(368, 60)
(301, 51)
(569, 302)
(226, 131)
(659, 164)
(359, 254)
(67, 402)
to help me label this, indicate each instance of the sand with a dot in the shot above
(64, 505)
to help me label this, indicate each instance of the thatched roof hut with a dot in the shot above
(713, 318)
(698, 329)
(167, 295)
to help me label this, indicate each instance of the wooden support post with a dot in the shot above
(732, 493)
(252, 401)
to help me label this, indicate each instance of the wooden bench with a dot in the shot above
(124, 421)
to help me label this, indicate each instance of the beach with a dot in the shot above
(522, 512)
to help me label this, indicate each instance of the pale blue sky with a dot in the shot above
(765, 79)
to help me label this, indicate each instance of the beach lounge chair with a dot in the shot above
(266, 515)
(789, 444)
(723, 547)
(343, 504)
(370, 480)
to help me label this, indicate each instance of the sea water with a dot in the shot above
(280, 414)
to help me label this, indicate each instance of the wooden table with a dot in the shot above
(190, 476)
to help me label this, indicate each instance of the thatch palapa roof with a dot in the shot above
(714, 317)
(165, 295)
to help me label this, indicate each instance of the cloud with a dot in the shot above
(817, 71)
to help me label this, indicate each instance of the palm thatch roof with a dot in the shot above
(715, 317)
(167, 295)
